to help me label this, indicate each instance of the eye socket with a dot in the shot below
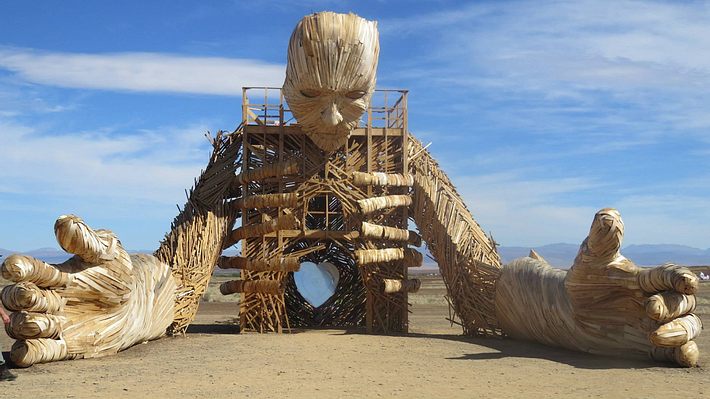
(310, 93)
(355, 94)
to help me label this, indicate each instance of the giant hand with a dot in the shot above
(604, 304)
(95, 304)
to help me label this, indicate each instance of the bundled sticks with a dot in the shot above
(267, 171)
(391, 286)
(285, 264)
(382, 179)
(387, 233)
(370, 205)
(267, 201)
(410, 257)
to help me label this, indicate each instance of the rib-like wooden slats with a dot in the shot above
(382, 179)
(266, 287)
(378, 232)
(370, 205)
(256, 230)
(264, 172)
(391, 286)
(284, 200)
(285, 264)
(410, 257)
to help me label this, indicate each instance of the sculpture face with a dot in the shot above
(330, 77)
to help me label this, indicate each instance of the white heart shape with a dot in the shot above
(317, 282)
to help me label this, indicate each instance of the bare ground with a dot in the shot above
(214, 361)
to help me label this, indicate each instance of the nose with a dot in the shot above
(331, 116)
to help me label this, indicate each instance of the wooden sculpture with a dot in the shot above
(604, 304)
(103, 300)
(336, 189)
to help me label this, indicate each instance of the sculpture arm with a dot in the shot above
(467, 258)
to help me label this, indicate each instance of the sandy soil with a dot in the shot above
(213, 361)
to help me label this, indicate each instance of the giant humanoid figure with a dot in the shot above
(103, 300)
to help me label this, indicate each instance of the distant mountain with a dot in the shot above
(562, 255)
(659, 254)
(49, 255)
(559, 255)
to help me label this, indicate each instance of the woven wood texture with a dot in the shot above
(467, 258)
(331, 57)
(604, 304)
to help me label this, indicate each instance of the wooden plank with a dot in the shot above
(296, 130)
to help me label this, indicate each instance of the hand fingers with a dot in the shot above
(669, 305)
(19, 268)
(677, 332)
(686, 355)
(24, 325)
(27, 296)
(41, 350)
(668, 277)
(93, 246)
(605, 235)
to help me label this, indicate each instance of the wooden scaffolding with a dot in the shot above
(301, 204)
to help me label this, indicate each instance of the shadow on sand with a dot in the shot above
(509, 348)
(221, 328)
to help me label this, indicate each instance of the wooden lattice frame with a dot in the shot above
(325, 179)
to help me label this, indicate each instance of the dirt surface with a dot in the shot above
(214, 361)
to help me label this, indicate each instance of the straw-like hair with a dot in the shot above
(330, 57)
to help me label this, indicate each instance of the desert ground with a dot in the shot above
(214, 361)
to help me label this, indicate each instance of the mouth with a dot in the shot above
(333, 138)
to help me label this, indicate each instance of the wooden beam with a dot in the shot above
(268, 287)
(317, 234)
(296, 130)
(266, 201)
(272, 170)
(411, 257)
(387, 233)
(257, 230)
(374, 204)
(382, 179)
(285, 264)
(391, 286)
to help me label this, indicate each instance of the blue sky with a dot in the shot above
(541, 112)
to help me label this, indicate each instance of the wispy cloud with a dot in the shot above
(141, 72)
(139, 166)
(564, 108)
(520, 210)
(644, 63)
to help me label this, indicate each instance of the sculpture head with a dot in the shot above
(330, 76)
